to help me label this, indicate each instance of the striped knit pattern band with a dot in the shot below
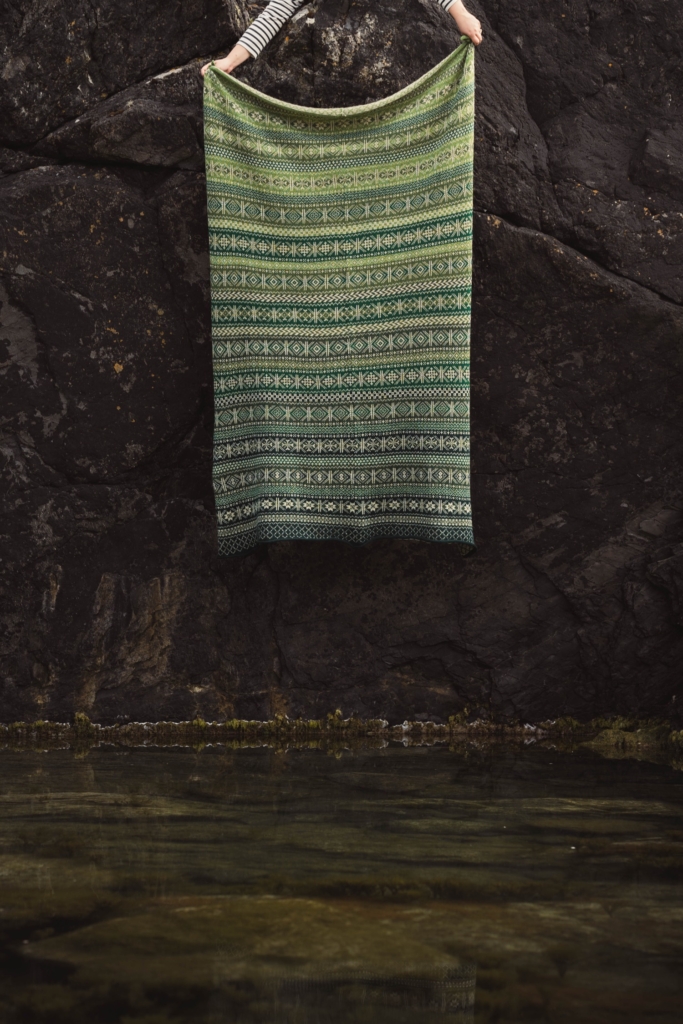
(341, 265)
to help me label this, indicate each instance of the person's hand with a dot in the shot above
(468, 25)
(237, 56)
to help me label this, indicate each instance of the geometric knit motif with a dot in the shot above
(341, 271)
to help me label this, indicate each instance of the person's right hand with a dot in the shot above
(237, 56)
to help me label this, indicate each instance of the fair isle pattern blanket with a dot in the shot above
(341, 268)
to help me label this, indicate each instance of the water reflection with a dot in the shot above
(440, 993)
(255, 887)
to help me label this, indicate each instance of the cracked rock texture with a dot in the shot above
(114, 602)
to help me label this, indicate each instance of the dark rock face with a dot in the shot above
(157, 123)
(113, 599)
(60, 59)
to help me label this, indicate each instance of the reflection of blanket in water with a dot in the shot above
(341, 266)
(412, 997)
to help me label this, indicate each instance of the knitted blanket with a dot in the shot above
(341, 266)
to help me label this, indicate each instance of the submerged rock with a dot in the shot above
(266, 953)
(239, 885)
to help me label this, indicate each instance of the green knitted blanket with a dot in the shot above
(341, 267)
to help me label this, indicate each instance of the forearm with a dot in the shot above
(271, 20)
(258, 35)
(268, 24)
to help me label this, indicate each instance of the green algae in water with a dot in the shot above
(380, 886)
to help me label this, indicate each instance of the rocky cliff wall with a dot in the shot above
(114, 602)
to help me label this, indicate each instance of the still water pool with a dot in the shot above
(377, 886)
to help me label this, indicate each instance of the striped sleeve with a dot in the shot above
(268, 24)
(271, 20)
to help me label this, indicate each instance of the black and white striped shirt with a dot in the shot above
(271, 20)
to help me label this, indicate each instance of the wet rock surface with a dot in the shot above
(114, 601)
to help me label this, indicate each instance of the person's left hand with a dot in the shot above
(467, 23)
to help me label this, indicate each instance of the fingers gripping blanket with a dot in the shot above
(341, 268)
